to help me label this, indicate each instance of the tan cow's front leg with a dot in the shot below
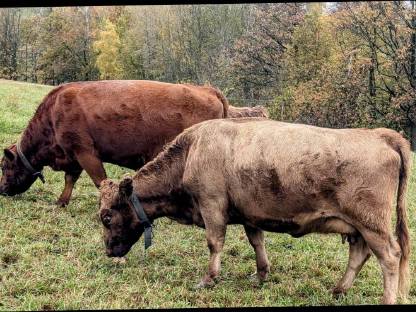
(256, 239)
(215, 239)
(215, 229)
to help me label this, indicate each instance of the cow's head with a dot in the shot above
(16, 178)
(122, 227)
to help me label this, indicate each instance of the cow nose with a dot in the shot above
(108, 252)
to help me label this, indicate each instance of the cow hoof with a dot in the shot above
(261, 277)
(257, 279)
(205, 284)
(62, 202)
(338, 292)
(388, 300)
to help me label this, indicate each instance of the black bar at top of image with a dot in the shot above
(64, 3)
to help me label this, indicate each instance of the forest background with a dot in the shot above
(349, 64)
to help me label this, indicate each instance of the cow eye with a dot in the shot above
(106, 220)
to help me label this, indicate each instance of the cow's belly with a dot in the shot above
(291, 212)
(302, 224)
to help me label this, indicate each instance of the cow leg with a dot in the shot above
(70, 180)
(388, 253)
(256, 239)
(95, 169)
(215, 229)
(93, 166)
(359, 254)
(215, 239)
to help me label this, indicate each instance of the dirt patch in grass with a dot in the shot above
(8, 259)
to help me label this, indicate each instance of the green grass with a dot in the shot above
(53, 258)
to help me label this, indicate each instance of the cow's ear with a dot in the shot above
(126, 187)
(8, 154)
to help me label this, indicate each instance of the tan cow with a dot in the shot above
(277, 177)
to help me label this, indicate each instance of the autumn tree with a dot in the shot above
(386, 33)
(257, 56)
(181, 43)
(108, 48)
(10, 22)
(65, 46)
(29, 48)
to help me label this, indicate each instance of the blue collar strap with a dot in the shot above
(143, 220)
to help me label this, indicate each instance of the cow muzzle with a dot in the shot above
(7, 191)
(117, 251)
(3, 191)
(114, 253)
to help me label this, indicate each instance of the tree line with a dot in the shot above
(348, 64)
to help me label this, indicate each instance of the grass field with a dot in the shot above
(53, 258)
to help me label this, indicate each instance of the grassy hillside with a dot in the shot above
(53, 258)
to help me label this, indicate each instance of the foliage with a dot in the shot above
(257, 56)
(317, 86)
(9, 34)
(351, 68)
(108, 49)
(386, 35)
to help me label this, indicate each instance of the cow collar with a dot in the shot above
(26, 163)
(138, 208)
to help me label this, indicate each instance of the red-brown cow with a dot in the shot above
(83, 124)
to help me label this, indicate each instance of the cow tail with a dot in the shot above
(402, 230)
(224, 102)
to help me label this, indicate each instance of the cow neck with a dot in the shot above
(156, 183)
(155, 205)
(35, 143)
